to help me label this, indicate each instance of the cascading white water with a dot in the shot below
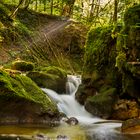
(67, 104)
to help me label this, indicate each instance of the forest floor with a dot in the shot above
(52, 27)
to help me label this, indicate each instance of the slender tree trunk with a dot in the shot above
(92, 9)
(27, 2)
(51, 7)
(71, 7)
(16, 10)
(115, 11)
(98, 8)
(62, 7)
(82, 5)
(36, 5)
(45, 4)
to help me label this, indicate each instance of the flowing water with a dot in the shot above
(95, 128)
(89, 128)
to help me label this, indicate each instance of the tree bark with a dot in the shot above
(51, 7)
(16, 10)
(115, 11)
(36, 5)
(27, 2)
(45, 4)
(92, 9)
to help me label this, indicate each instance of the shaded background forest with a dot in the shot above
(97, 12)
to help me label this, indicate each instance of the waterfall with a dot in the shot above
(67, 104)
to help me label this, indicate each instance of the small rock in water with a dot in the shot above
(72, 121)
(40, 137)
(62, 137)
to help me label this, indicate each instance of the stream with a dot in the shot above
(89, 127)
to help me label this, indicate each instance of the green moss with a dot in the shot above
(4, 14)
(14, 29)
(22, 66)
(19, 87)
(50, 77)
(121, 60)
(127, 60)
(55, 71)
(132, 16)
(102, 103)
(134, 69)
(98, 46)
(105, 95)
(100, 57)
(43, 79)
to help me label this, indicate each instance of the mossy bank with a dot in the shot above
(22, 101)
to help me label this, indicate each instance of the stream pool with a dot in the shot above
(78, 132)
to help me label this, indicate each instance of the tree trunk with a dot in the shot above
(62, 7)
(45, 4)
(98, 8)
(27, 2)
(71, 5)
(36, 5)
(115, 11)
(16, 10)
(51, 7)
(92, 9)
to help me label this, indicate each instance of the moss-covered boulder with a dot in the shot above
(50, 77)
(84, 92)
(22, 101)
(22, 65)
(102, 104)
(99, 68)
(128, 48)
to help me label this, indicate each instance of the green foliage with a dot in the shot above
(21, 28)
(10, 29)
(22, 66)
(4, 14)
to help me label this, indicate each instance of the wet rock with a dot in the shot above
(50, 77)
(131, 126)
(62, 137)
(84, 92)
(102, 104)
(125, 109)
(99, 72)
(22, 65)
(70, 121)
(40, 137)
